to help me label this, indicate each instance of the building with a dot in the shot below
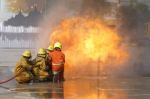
(18, 37)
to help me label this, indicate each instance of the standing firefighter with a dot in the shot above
(58, 59)
(23, 68)
(40, 67)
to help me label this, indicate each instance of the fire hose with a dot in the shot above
(7, 80)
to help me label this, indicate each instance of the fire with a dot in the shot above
(88, 40)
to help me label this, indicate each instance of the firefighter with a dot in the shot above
(50, 48)
(40, 68)
(58, 59)
(23, 68)
(49, 63)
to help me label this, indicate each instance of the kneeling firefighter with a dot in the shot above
(40, 67)
(50, 49)
(24, 67)
(58, 59)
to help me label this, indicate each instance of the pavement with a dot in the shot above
(87, 87)
(77, 88)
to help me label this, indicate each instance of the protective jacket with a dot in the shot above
(58, 59)
(40, 67)
(24, 66)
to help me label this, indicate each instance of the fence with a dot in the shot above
(18, 37)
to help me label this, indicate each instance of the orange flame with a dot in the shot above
(87, 40)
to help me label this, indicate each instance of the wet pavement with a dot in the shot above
(73, 88)
(77, 88)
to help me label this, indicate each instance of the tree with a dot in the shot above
(25, 5)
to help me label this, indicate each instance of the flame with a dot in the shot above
(87, 40)
(115, 94)
(91, 89)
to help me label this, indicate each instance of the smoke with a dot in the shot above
(95, 8)
(60, 10)
(133, 19)
(65, 9)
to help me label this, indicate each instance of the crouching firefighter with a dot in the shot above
(40, 67)
(50, 49)
(58, 59)
(23, 68)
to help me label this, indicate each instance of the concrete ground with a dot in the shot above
(75, 88)
(78, 88)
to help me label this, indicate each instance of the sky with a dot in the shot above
(4, 14)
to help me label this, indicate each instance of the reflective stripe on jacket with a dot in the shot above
(58, 60)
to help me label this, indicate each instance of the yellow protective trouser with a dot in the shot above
(40, 74)
(24, 77)
(43, 75)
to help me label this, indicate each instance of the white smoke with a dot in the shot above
(59, 10)
(62, 9)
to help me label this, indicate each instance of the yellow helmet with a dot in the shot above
(41, 51)
(27, 53)
(57, 45)
(50, 48)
